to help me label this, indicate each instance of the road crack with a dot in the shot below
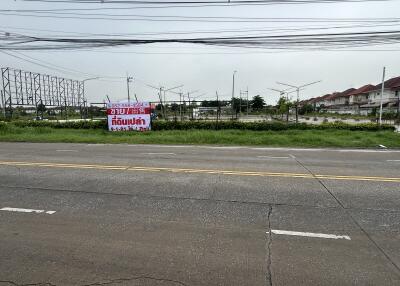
(28, 284)
(143, 277)
(269, 244)
(346, 210)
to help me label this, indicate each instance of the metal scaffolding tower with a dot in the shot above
(24, 88)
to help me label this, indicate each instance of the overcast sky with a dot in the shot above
(208, 69)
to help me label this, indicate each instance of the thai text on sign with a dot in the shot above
(124, 116)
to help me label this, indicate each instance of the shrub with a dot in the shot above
(69, 124)
(208, 125)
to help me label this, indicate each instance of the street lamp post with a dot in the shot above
(298, 94)
(83, 93)
(282, 94)
(233, 93)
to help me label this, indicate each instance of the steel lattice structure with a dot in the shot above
(24, 88)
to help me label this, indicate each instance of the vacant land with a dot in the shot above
(289, 138)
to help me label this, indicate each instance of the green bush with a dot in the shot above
(209, 125)
(263, 126)
(69, 124)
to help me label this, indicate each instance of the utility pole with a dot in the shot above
(83, 93)
(189, 105)
(170, 90)
(233, 93)
(383, 89)
(240, 104)
(247, 101)
(218, 108)
(194, 101)
(161, 102)
(191, 110)
(180, 105)
(129, 79)
(266, 110)
(298, 94)
(162, 90)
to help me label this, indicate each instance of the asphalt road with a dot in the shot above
(78, 214)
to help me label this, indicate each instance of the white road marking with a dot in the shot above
(26, 210)
(309, 234)
(67, 150)
(160, 153)
(255, 148)
(392, 160)
(271, 157)
(292, 156)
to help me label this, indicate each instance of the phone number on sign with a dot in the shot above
(127, 111)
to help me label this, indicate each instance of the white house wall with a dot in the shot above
(375, 96)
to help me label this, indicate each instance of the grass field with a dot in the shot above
(288, 138)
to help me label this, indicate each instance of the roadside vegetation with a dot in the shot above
(160, 125)
(94, 132)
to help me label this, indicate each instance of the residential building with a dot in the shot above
(363, 100)
(360, 97)
(390, 97)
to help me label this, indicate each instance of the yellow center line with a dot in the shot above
(199, 171)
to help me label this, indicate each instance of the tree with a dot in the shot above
(283, 106)
(306, 108)
(257, 102)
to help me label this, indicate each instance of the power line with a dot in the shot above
(297, 41)
(217, 31)
(50, 66)
(189, 3)
(201, 19)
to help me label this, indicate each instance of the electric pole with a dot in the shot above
(247, 101)
(218, 108)
(161, 102)
(180, 105)
(161, 91)
(233, 93)
(383, 89)
(128, 80)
